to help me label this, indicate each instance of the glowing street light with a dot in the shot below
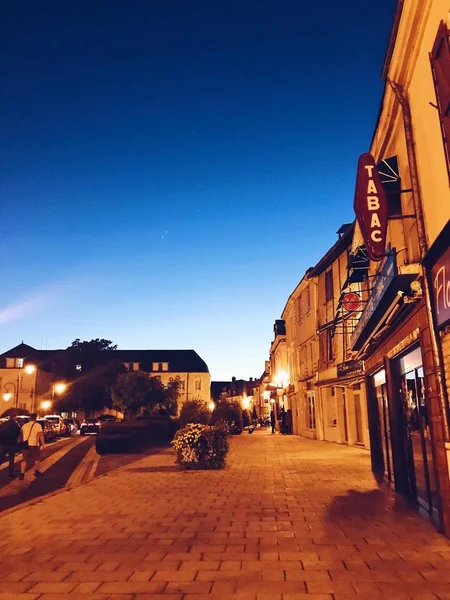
(211, 406)
(46, 404)
(59, 388)
(29, 369)
(7, 397)
(245, 403)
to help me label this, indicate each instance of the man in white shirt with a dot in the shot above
(32, 433)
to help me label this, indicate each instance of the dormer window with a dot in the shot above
(19, 363)
(160, 366)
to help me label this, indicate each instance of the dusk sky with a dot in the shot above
(170, 168)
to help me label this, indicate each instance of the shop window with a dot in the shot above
(329, 285)
(440, 64)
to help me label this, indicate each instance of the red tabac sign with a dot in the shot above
(371, 207)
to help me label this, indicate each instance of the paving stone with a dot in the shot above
(279, 523)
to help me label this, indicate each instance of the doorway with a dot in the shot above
(416, 428)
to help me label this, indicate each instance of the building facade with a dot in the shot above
(28, 376)
(402, 335)
(341, 405)
(300, 316)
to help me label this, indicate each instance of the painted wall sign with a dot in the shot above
(350, 367)
(371, 207)
(440, 274)
(351, 301)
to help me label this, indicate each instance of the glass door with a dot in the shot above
(417, 433)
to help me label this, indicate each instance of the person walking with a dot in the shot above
(32, 442)
(272, 420)
(9, 443)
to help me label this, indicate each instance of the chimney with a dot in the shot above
(233, 379)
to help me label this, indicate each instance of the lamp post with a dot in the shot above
(29, 370)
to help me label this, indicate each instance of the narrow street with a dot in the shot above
(288, 518)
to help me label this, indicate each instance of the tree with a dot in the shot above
(194, 411)
(90, 368)
(136, 392)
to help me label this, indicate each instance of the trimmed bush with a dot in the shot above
(194, 411)
(230, 412)
(200, 446)
(118, 437)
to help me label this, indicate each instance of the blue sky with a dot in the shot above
(170, 169)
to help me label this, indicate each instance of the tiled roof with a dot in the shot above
(180, 361)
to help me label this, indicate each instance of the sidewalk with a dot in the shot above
(289, 519)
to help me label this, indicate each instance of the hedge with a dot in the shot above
(125, 436)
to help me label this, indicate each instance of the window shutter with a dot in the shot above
(440, 64)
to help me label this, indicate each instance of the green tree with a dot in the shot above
(136, 392)
(194, 411)
(90, 369)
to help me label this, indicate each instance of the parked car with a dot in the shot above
(73, 424)
(106, 418)
(49, 430)
(90, 426)
(60, 427)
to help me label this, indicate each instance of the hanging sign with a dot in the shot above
(371, 207)
(351, 301)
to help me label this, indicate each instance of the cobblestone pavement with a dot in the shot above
(288, 519)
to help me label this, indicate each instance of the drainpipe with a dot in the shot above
(401, 96)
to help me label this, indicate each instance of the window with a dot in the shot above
(440, 64)
(308, 300)
(181, 388)
(156, 366)
(326, 345)
(329, 285)
(299, 308)
(19, 363)
(10, 363)
(198, 385)
(164, 366)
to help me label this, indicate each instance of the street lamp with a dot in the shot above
(7, 396)
(211, 406)
(46, 404)
(29, 370)
(59, 388)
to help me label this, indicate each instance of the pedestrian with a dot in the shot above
(9, 443)
(283, 421)
(32, 442)
(272, 420)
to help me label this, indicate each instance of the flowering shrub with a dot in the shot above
(201, 447)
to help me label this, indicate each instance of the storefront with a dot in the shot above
(393, 339)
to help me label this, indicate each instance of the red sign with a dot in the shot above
(371, 207)
(440, 275)
(351, 301)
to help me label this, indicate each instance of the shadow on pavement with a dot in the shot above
(374, 505)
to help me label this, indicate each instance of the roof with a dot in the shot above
(336, 250)
(30, 354)
(237, 386)
(180, 361)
